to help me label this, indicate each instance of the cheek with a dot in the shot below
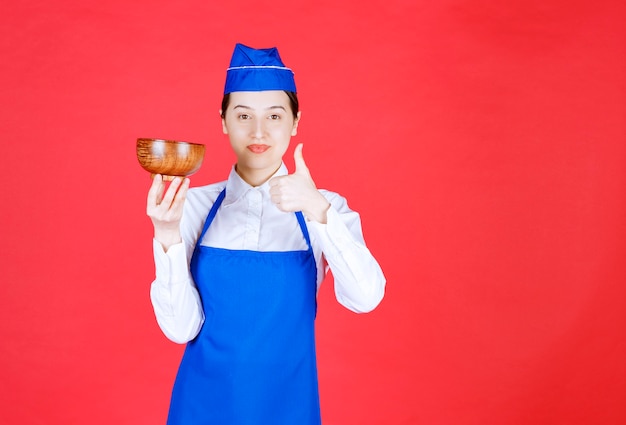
(236, 133)
(284, 141)
(284, 131)
(284, 138)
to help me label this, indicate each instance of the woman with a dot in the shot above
(238, 263)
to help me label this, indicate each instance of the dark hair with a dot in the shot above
(293, 102)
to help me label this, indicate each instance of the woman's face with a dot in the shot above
(259, 126)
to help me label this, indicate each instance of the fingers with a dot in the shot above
(294, 191)
(155, 193)
(168, 198)
(160, 204)
(181, 195)
(161, 189)
(275, 184)
(279, 191)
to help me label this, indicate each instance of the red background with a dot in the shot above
(483, 143)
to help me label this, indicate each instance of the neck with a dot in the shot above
(255, 177)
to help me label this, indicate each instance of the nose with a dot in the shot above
(258, 129)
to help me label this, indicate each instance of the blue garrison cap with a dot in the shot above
(256, 70)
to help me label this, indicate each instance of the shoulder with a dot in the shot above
(200, 199)
(206, 193)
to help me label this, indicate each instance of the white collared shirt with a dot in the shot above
(248, 220)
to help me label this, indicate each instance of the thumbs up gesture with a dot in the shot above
(297, 191)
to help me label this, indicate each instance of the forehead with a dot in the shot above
(259, 99)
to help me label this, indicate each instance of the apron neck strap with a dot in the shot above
(305, 231)
(219, 201)
(211, 216)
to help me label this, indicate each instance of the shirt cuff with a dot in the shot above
(171, 266)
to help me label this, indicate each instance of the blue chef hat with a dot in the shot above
(256, 70)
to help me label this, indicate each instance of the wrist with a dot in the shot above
(167, 237)
(318, 209)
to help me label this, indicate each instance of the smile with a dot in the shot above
(258, 148)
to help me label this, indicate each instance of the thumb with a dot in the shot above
(301, 167)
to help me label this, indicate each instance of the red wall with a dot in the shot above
(483, 143)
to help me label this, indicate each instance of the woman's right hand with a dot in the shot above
(165, 209)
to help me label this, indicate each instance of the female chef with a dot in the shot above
(238, 263)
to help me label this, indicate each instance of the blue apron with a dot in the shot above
(253, 361)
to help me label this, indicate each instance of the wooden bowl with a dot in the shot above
(169, 158)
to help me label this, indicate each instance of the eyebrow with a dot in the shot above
(267, 109)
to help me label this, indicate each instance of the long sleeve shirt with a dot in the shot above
(248, 220)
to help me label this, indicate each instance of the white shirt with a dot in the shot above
(248, 220)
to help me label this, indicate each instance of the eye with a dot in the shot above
(243, 117)
(274, 117)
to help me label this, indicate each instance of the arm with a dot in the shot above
(173, 294)
(359, 281)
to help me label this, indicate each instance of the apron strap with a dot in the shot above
(217, 204)
(305, 231)
(211, 215)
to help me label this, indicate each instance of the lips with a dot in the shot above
(257, 148)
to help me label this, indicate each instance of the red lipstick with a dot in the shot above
(258, 148)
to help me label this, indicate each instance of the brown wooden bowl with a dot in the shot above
(169, 158)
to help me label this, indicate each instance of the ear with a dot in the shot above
(296, 121)
(224, 129)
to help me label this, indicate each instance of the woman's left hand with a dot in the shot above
(297, 191)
